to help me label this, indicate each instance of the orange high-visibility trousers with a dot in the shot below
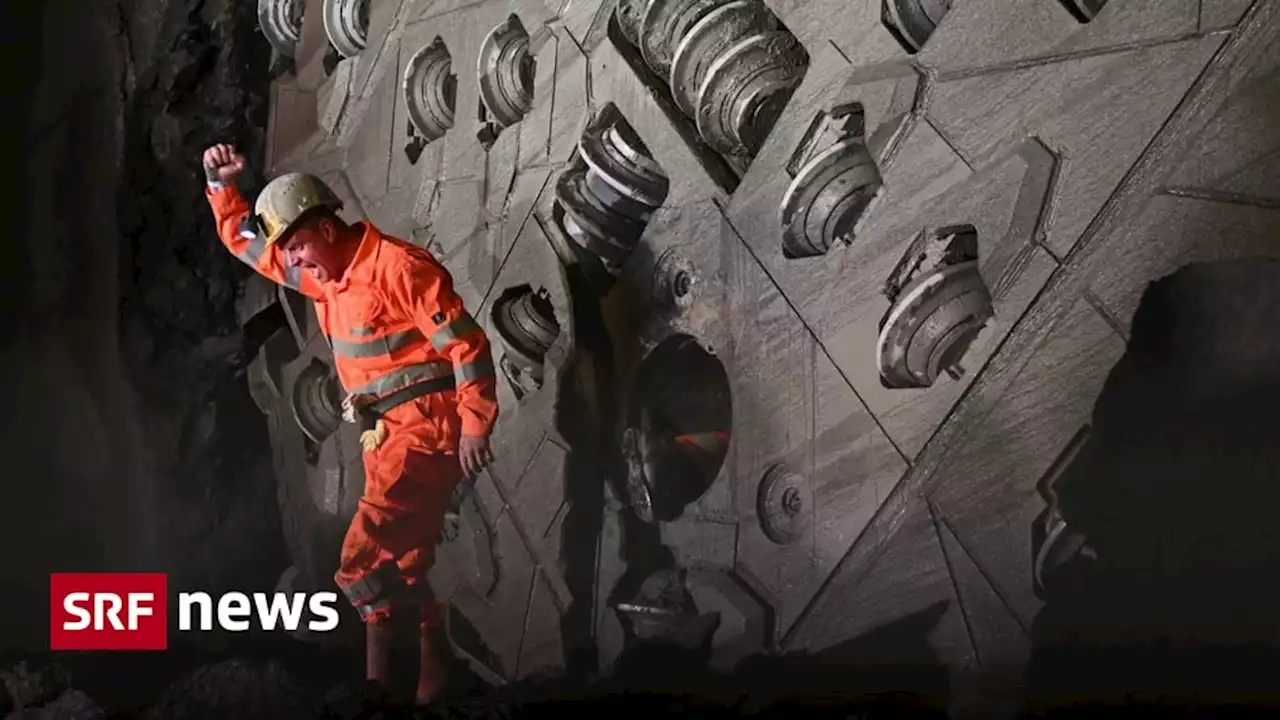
(391, 542)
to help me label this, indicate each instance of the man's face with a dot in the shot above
(312, 247)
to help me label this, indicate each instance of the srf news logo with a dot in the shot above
(130, 611)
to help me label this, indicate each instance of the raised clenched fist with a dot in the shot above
(222, 163)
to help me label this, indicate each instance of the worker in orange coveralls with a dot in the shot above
(418, 373)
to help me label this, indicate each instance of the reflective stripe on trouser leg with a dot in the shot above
(376, 593)
(385, 592)
(396, 525)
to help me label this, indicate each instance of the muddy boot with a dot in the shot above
(432, 666)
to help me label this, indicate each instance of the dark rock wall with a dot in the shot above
(182, 346)
(131, 440)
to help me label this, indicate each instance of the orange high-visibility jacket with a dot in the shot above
(393, 319)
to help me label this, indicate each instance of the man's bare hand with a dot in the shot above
(222, 163)
(474, 454)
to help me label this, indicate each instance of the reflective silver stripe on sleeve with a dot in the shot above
(403, 377)
(404, 597)
(252, 253)
(369, 609)
(384, 345)
(293, 278)
(479, 368)
(379, 583)
(452, 330)
(361, 590)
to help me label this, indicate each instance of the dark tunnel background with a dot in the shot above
(131, 439)
(1176, 492)
(132, 442)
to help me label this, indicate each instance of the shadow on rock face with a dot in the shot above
(1175, 493)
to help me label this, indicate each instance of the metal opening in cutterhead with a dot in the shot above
(678, 425)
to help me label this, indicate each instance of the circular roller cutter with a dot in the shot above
(317, 401)
(594, 225)
(827, 198)
(567, 239)
(934, 317)
(628, 14)
(430, 90)
(527, 327)
(746, 89)
(605, 199)
(346, 22)
(506, 73)
(281, 22)
(664, 25)
(616, 154)
(717, 32)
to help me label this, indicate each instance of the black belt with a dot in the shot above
(382, 405)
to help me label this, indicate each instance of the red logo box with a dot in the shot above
(108, 611)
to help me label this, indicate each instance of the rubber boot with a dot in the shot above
(432, 668)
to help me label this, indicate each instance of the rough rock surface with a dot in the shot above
(236, 689)
(181, 341)
(32, 690)
(24, 684)
(133, 442)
